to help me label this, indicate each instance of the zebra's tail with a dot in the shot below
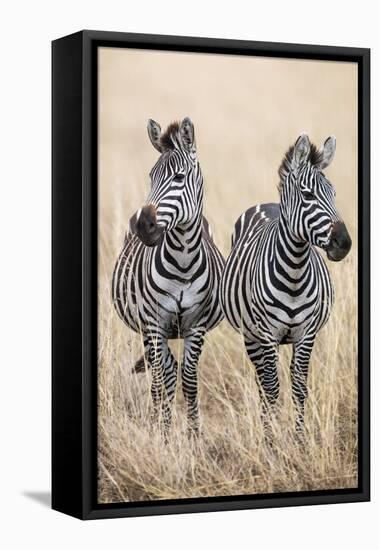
(141, 365)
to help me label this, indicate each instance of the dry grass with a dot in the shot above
(231, 457)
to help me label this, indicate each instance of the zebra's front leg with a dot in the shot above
(265, 358)
(193, 345)
(164, 370)
(299, 376)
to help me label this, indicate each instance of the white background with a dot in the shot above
(26, 31)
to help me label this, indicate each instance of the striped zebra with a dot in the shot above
(166, 279)
(276, 287)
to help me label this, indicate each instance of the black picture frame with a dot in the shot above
(74, 272)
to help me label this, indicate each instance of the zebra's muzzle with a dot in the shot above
(340, 243)
(146, 227)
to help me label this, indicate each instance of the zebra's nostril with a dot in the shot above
(340, 236)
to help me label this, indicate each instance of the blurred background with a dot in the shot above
(247, 111)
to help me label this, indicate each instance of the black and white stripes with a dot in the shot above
(276, 287)
(166, 279)
(170, 280)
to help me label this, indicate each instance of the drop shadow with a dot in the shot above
(42, 497)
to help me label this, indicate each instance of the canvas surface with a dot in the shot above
(247, 111)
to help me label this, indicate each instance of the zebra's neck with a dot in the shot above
(183, 246)
(291, 254)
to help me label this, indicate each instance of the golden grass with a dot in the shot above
(231, 457)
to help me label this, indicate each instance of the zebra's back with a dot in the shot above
(254, 217)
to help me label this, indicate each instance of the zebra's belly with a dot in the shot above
(285, 325)
(290, 333)
(183, 310)
(175, 312)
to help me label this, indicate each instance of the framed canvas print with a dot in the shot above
(210, 274)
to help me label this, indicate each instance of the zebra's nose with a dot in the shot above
(340, 242)
(147, 228)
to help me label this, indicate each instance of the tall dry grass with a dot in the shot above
(231, 457)
(240, 145)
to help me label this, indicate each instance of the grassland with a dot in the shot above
(231, 456)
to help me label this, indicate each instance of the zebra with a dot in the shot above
(276, 288)
(166, 279)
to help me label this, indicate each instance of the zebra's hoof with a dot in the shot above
(193, 433)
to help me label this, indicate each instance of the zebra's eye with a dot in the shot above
(178, 178)
(308, 196)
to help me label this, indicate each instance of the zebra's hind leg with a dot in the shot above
(142, 364)
(164, 370)
(265, 358)
(193, 345)
(299, 374)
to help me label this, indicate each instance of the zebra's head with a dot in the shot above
(308, 198)
(176, 196)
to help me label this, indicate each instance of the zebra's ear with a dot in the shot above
(187, 134)
(301, 151)
(154, 131)
(327, 153)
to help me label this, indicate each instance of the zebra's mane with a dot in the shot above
(315, 157)
(168, 138)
